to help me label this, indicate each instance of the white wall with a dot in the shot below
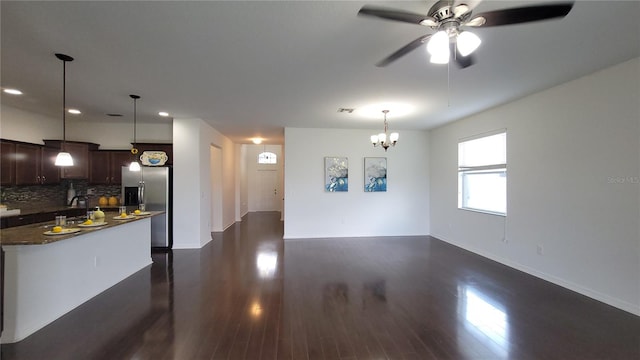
(25, 126)
(30, 127)
(215, 156)
(573, 186)
(242, 200)
(313, 213)
(192, 139)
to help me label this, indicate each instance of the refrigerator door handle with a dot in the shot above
(141, 192)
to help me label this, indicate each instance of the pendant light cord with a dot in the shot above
(64, 102)
(135, 101)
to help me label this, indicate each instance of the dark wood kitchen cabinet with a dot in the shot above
(79, 152)
(105, 166)
(35, 164)
(49, 172)
(7, 163)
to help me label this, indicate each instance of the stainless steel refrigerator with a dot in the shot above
(151, 186)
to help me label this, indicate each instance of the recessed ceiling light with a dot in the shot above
(163, 113)
(74, 111)
(257, 141)
(13, 91)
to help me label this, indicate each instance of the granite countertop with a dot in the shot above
(34, 234)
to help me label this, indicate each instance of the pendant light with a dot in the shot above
(135, 165)
(64, 158)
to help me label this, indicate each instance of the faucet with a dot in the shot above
(80, 196)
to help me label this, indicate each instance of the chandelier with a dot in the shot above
(382, 139)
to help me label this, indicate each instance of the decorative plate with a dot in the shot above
(95, 224)
(66, 231)
(128, 217)
(154, 158)
(143, 213)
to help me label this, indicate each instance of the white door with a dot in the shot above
(269, 193)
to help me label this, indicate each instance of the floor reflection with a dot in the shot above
(267, 262)
(485, 320)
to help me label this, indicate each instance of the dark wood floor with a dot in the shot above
(247, 295)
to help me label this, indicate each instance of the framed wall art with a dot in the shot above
(336, 174)
(375, 174)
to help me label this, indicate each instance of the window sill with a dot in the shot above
(483, 211)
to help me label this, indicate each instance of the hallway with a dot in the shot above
(248, 295)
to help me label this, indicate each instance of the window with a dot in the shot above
(267, 158)
(482, 174)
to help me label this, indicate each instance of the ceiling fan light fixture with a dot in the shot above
(438, 45)
(440, 58)
(467, 42)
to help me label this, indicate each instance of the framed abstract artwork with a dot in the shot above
(336, 174)
(375, 174)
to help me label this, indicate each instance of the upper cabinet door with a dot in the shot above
(118, 160)
(80, 154)
(99, 168)
(27, 164)
(49, 172)
(7, 163)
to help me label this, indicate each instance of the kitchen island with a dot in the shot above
(48, 276)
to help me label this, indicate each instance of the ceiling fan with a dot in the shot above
(448, 19)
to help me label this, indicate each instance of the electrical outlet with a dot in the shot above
(540, 249)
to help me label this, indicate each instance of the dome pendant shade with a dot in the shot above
(134, 166)
(64, 159)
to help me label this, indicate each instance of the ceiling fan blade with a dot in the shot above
(403, 51)
(392, 14)
(462, 61)
(524, 14)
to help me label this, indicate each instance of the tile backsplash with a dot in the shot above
(52, 195)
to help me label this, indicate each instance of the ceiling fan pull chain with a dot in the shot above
(449, 84)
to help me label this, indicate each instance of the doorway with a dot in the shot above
(268, 194)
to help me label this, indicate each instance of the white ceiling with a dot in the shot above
(252, 68)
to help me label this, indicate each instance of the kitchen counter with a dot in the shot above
(47, 276)
(33, 234)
